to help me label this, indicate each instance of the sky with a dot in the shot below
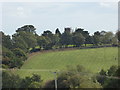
(91, 16)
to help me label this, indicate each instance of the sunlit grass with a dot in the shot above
(92, 59)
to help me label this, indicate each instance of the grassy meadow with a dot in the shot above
(45, 63)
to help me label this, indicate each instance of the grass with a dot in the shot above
(92, 59)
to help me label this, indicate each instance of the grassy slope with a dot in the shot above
(92, 59)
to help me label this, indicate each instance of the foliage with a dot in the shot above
(13, 58)
(66, 38)
(19, 53)
(73, 79)
(101, 77)
(35, 85)
(107, 38)
(19, 42)
(6, 41)
(31, 82)
(7, 56)
(118, 35)
(27, 28)
(110, 78)
(27, 37)
(96, 38)
(11, 80)
(16, 63)
(44, 42)
(78, 39)
(57, 32)
(112, 70)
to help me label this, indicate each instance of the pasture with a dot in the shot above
(47, 62)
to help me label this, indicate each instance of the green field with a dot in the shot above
(92, 59)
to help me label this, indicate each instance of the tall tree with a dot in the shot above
(27, 34)
(66, 38)
(49, 35)
(107, 38)
(43, 42)
(78, 39)
(19, 42)
(96, 37)
(85, 35)
(54, 38)
(27, 28)
(57, 32)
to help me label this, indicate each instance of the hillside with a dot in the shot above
(47, 62)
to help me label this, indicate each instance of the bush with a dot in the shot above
(73, 78)
(110, 78)
(19, 53)
(10, 80)
(31, 82)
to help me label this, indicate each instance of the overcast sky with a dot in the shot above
(91, 16)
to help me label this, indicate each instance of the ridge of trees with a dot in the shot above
(26, 40)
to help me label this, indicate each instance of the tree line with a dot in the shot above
(25, 40)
